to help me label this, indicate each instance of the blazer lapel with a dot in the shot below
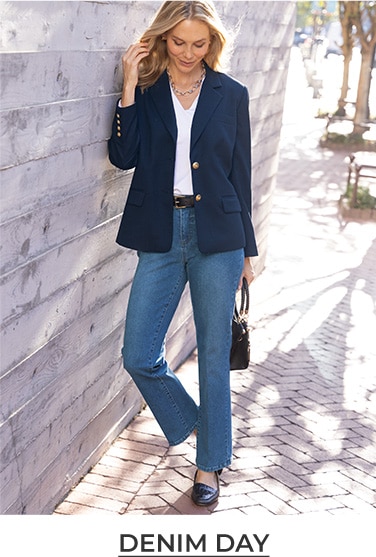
(161, 94)
(209, 99)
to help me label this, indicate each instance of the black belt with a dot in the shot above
(184, 201)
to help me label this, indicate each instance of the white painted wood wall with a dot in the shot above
(64, 281)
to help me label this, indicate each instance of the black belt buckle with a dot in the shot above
(183, 201)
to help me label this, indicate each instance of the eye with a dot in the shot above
(178, 43)
(199, 45)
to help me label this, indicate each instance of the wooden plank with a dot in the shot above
(92, 444)
(85, 449)
(104, 281)
(54, 360)
(58, 400)
(72, 26)
(37, 326)
(10, 487)
(56, 432)
(28, 286)
(21, 427)
(37, 183)
(41, 131)
(62, 76)
(28, 236)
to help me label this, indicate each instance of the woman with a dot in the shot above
(185, 128)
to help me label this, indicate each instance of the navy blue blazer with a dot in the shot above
(144, 137)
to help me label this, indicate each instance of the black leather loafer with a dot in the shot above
(204, 495)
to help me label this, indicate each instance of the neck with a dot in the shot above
(192, 88)
(184, 80)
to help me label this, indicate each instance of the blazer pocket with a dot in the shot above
(230, 204)
(136, 197)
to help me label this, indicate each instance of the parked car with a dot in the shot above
(299, 37)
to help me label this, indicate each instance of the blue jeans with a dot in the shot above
(157, 287)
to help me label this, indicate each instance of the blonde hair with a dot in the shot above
(168, 16)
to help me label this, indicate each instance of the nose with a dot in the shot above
(188, 54)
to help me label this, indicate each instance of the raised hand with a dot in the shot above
(130, 62)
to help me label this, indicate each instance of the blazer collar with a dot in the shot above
(210, 97)
(161, 94)
(208, 101)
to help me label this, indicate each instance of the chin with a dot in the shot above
(188, 66)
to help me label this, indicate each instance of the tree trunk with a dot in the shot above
(341, 110)
(361, 111)
(346, 10)
(365, 24)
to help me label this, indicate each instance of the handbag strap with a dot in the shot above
(244, 300)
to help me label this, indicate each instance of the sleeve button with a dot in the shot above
(198, 197)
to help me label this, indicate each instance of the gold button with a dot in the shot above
(117, 115)
(118, 134)
(198, 197)
(196, 165)
(119, 128)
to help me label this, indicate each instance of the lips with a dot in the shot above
(186, 64)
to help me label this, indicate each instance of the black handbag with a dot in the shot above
(240, 346)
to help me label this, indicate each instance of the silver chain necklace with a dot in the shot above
(193, 88)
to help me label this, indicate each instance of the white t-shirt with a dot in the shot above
(183, 174)
(184, 118)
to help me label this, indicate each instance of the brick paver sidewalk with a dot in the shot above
(304, 414)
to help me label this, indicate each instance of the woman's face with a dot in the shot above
(187, 44)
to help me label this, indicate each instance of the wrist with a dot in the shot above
(127, 96)
(127, 100)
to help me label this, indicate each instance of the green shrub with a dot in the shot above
(364, 200)
(342, 139)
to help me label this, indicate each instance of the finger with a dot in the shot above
(131, 61)
(250, 278)
(249, 275)
(135, 50)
